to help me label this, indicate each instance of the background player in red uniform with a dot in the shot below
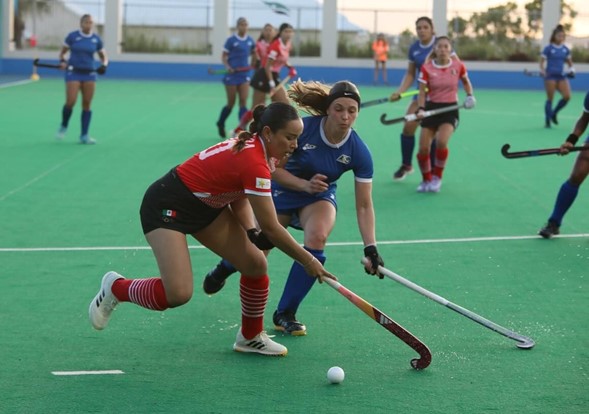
(193, 198)
(266, 78)
(438, 88)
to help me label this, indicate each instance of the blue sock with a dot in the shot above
(242, 111)
(224, 115)
(566, 196)
(225, 263)
(66, 114)
(561, 104)
(407, 147)
(86, 116)
(548, 109)
(298, 284)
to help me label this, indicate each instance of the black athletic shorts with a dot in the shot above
(260, 81)
(169, 204)
(437, 120)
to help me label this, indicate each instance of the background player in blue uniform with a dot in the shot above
(552, 61)
(239, 49)
(418, 52)
(80, 75)
(569, 190)
(304, 191)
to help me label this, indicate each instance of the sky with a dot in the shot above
(402, 13)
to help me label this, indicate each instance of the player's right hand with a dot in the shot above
(395, 96)
(566, 148)
(317, 184)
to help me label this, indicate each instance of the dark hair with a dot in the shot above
(274, 116)
(558, 29)
(282, 28)
(84, 16)
(261, 37)
(425, 19)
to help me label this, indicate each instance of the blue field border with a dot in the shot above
(488, 79)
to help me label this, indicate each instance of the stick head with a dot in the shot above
(525, 343)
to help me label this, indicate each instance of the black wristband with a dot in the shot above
(572, 138)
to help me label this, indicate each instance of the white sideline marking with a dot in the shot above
(355, 243)
(15, 83)
(106, 372)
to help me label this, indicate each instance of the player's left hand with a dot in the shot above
(374, 259)
(470, 102)
(101, 70)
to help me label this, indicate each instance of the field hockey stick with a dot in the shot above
(281, 84)
(413, 117)
(387, 99)
(390, 325)
(523, 342)
(212, 71)
(534, 153)
(46, 65)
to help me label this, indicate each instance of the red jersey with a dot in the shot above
(279, 52)
(262, 50)
(218, 175)
(442, 81)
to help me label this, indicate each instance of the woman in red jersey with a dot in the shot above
(215, 203)
(438, 88)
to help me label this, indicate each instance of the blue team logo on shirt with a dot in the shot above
(344, 159)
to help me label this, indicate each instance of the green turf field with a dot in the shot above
(70, 213)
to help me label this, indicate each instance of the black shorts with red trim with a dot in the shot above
(169, 204)
(435, 121)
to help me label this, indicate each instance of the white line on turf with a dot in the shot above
(105, 372)
(355, 243)
(15, 83)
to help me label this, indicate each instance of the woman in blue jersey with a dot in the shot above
(418, 52)
(80, 75)
(304, 191)
(552, 61)
(569, 190)
(238, 56)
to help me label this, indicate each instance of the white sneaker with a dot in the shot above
(260, 344)
(61, 132)
(423, 187)
(435, 184)
(85, 139)
(104, 302)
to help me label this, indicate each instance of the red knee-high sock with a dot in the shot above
(147, 293)
(254, 295)
(441, 157)
(245, 119)
(425, 166)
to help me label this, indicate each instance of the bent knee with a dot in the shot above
(178, 298)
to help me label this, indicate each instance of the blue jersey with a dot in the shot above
(586, 103)
(316, 155)
(418, 53)
(556, 57)
(82, 48)
(239, 50)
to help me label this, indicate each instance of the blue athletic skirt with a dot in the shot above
(291, 202)
(75, 76)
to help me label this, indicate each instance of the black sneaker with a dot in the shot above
(221, 129)
(549, 230)
(287, 322)
(402, 172)
(215, 279)
(554, 119)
